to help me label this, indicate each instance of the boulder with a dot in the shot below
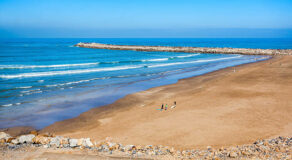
(9, 140)
(15, 141)
(64, 142)
(26, 138)
(4, 135)
(148, 147)
(41, 140)
(2, 141)
(105, 148)
(129, 147)
(110, 144)
(233, 154)
(73, 142)
(87, 142)
(56, 141)
(80, 141)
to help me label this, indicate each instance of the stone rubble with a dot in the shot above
(276, 148)
(245, 51)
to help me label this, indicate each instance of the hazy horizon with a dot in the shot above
(145, 19)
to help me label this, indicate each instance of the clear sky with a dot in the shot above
(145, 18)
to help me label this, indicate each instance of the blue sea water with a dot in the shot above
(47, 80)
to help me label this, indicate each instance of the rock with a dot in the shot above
(80, 141)
(26, 138)
(139, 154)
(117, 146)
(139, 147)
(15, 141)
(87, 143)
(149, 147)
(64, 142)
(110, 144)
(41, 140)
(105, 148)
(183, 153)
(56, 141)
(73, 142)
(4, 135)
(246, 153)
(2, 141)
(129, 147)
(46, 146)
(233, 154)
(9, 140)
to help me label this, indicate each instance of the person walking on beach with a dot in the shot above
(174, 105)
(165, 106)
(161, 107)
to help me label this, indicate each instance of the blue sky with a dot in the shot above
(145, 18)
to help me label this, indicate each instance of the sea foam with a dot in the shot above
(197, 61)
(44, 66)
(53, 73)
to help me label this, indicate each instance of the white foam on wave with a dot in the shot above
(75, 82)
(7, 105)
(30, 91)
(24, 87)
(197, 61)
(154, 60)
(24, 91)
(190, 55)
(45, 66)
(54, 73)
(166, 59)
(85, 64)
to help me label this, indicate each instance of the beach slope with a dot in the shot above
(233, 106)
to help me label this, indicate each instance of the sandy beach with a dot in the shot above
(233, 106)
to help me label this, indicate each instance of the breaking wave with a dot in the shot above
(90, 64)
(197, 61)
(53, 73)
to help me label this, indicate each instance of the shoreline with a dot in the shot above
(46, 145)
(102, 116)
(243, 51)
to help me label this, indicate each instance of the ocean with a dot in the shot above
(47, 80)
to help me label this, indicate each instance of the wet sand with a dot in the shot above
(233, 106)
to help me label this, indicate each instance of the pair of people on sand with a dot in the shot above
(166, 106)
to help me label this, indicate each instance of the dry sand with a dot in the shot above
(221, 108)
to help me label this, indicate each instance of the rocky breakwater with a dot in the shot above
(244, 51)
(276, 148)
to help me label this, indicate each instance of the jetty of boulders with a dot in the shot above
(275, 148)
(244, 51)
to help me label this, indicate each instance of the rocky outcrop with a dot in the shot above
(276, 148)
(245, 51)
